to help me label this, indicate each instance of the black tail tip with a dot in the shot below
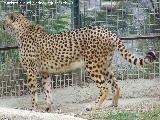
(151, 55)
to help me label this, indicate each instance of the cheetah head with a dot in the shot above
(16, 23)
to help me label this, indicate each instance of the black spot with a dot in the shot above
(110, 77)
(135, 61)
(129, 55)
(126, 55)
(113, 91)
(92, 75)
(44, 77)
(109, 81)
(130, 60)
(141, 61)
(29, 80)
(107, 73)
(119, 46)
(96, 76)
(98, 66)
(47, 109)
(100, 76)
(101, 82)
(113, 84)
(89, 62)
(116, 86)
(90, 68)
(30, 75)
(101, 72)
(121, 49)
(3, 27)
(31, 85)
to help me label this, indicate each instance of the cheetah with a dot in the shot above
(91, 47)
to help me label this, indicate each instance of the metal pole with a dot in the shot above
(37, 11)
(76, 14)
(23, 4)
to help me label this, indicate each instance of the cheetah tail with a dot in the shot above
(149, 58)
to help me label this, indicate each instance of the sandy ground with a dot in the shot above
(137, 95)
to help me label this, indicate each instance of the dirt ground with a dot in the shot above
(136, 95)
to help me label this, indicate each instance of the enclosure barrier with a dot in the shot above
(13, 78)
(122, 38)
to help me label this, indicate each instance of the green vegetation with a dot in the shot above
(148, 115)
(60, 24)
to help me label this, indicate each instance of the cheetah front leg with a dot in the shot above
(47, 90)
(32, 74)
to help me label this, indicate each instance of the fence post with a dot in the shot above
(76, 14)
(37, 14)
(22, 4)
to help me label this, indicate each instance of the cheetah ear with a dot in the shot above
(24, 13)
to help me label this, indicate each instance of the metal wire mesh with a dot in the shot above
(135, 17)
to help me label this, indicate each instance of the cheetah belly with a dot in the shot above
(75, 65)
(69, 67)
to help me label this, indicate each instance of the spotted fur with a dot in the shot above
(92, 47)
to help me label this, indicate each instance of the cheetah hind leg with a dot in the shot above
(47, 90)
(115, 89)
(102, 95)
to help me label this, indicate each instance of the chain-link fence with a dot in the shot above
(128, 19)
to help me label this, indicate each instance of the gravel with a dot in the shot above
(74, 100)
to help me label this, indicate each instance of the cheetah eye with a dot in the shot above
(12, 18)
